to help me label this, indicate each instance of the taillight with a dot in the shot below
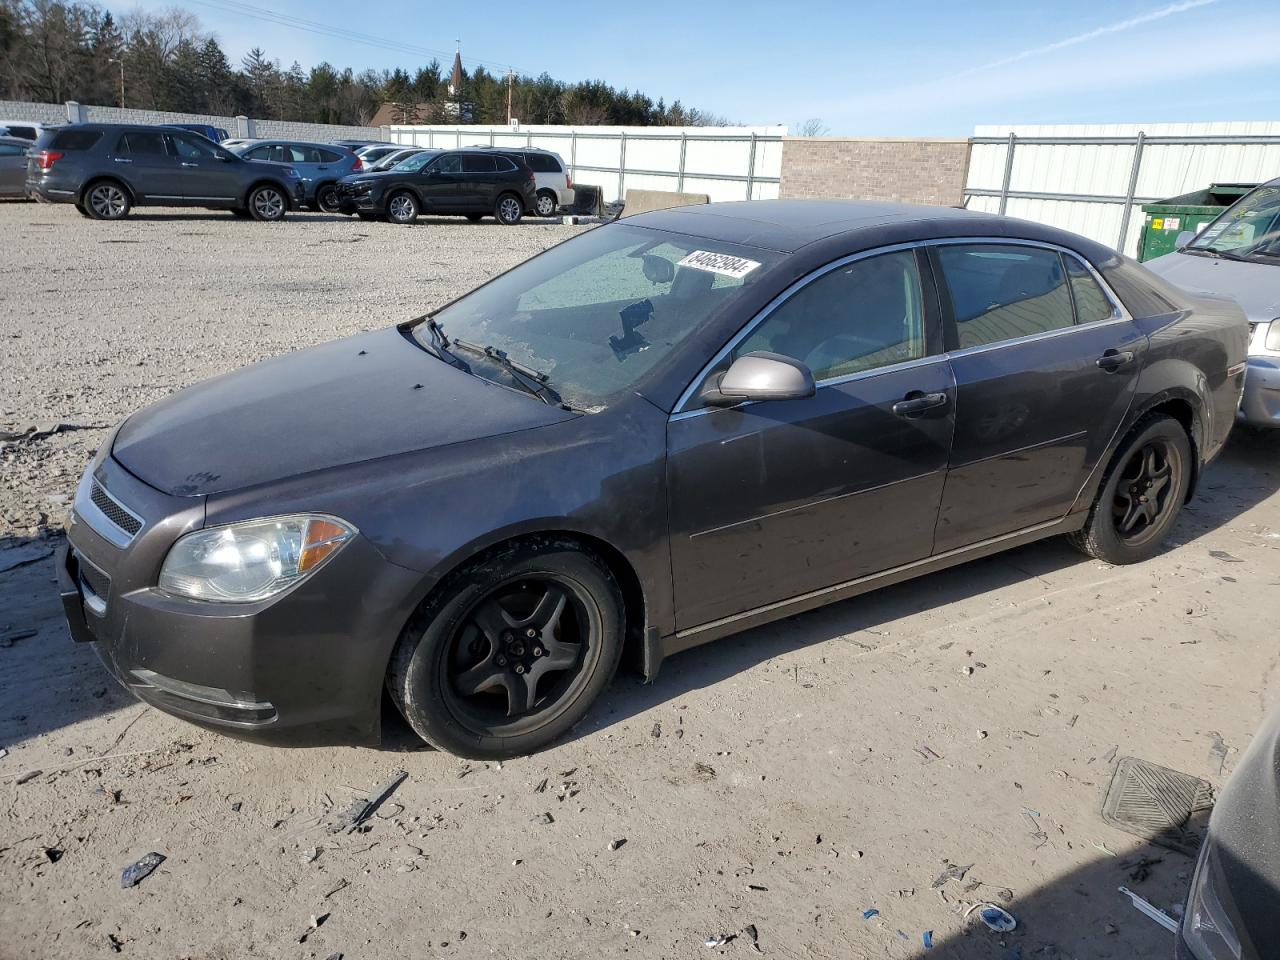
(45, 159)
(359, 166)
(568, 181)
(530, 176)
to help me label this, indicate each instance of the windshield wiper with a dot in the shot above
(533, 381)
(1220, 254)
(439, 345)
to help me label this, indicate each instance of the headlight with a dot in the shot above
(1206, 928)
(253, 560)
(1273, 335)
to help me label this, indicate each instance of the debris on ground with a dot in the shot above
(1152, 911)
(615, 844)
(994, 917)
(541, 787)
(28, 777)
(135, 873)
(869, 913)
(9, 638)
(543, 818)
(52, 854)
(752, 934)
(309, 855)
(360, 811)
(1224, 556)
(38, 431)
(1140, 869)
(953, 872)
(115, 943)
(316, 923)
(719, 940)
(704, 770)
(927, 939)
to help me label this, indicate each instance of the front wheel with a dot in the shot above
(327, 198)
(547, 204)
(402, 208)
(508, 209)
(1142, 494)
(513, 652)
(267, 203)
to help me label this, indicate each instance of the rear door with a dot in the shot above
(1045, 363)
(144, 161)
(13, 168)
(775, 499)
(478, 187)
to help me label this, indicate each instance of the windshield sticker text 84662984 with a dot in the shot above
(721, 263)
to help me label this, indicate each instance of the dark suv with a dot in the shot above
(468, 182)
(105, 169)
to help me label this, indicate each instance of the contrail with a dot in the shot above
(1168, 11)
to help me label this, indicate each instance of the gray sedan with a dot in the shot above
(13, 166)
(1238, 255)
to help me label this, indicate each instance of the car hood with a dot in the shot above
(1255, 286)
(371, 175)
(373, 395)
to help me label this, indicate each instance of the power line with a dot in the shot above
(341, 33)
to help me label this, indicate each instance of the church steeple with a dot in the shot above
(455, 78)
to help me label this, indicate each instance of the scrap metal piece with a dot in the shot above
(360, 811)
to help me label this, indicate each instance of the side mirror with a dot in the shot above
(760, 376)
(224, 156)
(1184, 238)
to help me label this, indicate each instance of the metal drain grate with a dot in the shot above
(1157, 803)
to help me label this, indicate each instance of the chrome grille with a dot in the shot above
(114, 510)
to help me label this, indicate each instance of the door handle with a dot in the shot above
(1113, 360)
(916, 403)
(122, 160)
(186, 164)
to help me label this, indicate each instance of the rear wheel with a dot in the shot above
(512, 653)
(508, 209)
(267, 203)
(402, 207)
(1142, 495)
(547, 203)
(107, 200)
(327, 198)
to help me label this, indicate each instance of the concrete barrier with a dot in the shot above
(642, 201)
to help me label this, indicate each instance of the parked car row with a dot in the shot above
(107, 169)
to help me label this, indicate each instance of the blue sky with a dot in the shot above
(885, 68)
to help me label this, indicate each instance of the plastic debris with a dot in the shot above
(1152, 911)
(362, 810)
(869, 913)
(953, 872)
(135, 873)
(115, 943)
(997, 918)
(543, 818)
(752, 934)
(615, 844)
(52, 854)
(927, 937)
(1103, 848)
(1224, 556)
(316, 923)
(28, 777)
(719, 940)
(309, 855)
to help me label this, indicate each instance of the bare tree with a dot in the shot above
(813, 127)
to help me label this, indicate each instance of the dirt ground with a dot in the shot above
(770, 788)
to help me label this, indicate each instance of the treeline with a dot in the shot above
(53, 52)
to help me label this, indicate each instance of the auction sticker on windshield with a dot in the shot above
(721, 263)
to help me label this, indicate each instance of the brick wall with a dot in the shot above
(864, 168)
(236, 126)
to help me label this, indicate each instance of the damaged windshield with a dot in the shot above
(594, 314)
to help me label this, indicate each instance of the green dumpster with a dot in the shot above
(1191, 211)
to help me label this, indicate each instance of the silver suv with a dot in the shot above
(554, 185)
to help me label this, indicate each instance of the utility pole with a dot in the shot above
(510, 82)
(119, 60)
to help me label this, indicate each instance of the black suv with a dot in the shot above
(105, 169)
(468, 182)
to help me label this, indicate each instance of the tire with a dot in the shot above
(84, 211)
(267, 203)
(402, 207)
(107, 200)
(466, 689)
(508, 209)
(327, 198)
(475, 217)
(547, 204)
(1142, 494)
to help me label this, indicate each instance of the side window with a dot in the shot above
(864, 315)
(10, 150)
(1092, 304)
(326, 156)
(189, 149)
(475, 164)
(142, 143)
(301, 155)
(277, 154)
(259, 153)
(505, 164)
(1003, 292)
(75, 139)
(542, 163)
(449, 164)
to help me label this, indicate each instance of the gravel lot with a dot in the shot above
(774, 786)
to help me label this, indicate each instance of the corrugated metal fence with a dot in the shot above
(1093, 179)
(728, 164)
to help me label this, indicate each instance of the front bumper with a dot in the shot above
(1260, 404)
(304, 667)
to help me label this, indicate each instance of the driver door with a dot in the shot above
(772, 500)
(203, 177)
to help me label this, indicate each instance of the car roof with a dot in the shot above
(285, 140)
(4, 138)
(788, 225)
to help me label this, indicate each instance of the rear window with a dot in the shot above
(26, 133)
(505, 164)
(1004, 292)
(543, 163)
(75, 139)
